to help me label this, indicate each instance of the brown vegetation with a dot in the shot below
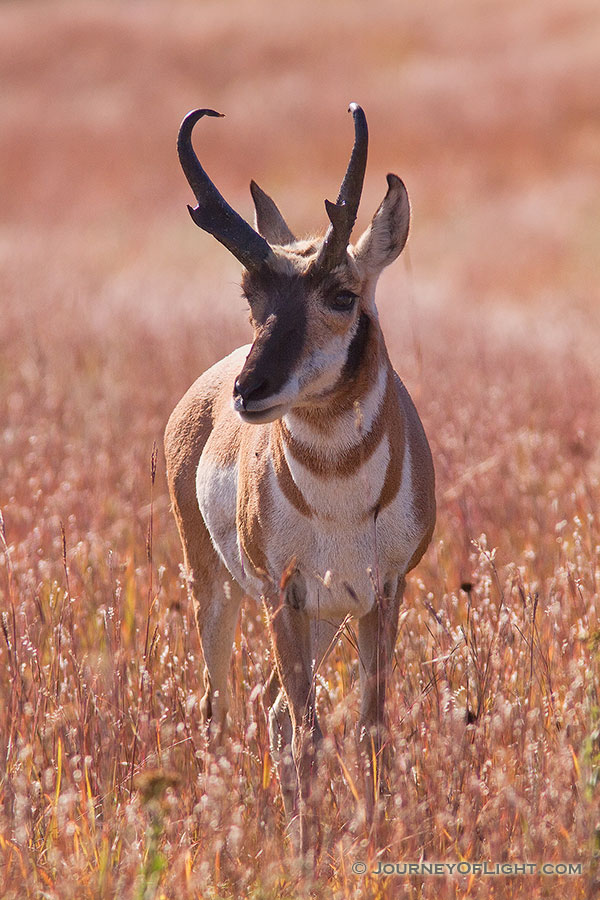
(112, 303)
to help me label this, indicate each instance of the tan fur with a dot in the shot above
(423, 493)
(395, 429)
(288, 486)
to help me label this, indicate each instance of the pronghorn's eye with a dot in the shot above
(344, 300)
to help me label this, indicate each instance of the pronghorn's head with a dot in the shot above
(311, 302)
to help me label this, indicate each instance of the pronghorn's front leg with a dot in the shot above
(216, 597)
(217, 621)
(291, 635)
(280, 739)
(377, 633)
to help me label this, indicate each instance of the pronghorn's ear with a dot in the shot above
(269, 221)
(386, 236)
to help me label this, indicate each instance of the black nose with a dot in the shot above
(247, 389)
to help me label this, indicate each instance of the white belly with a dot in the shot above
(339, 568)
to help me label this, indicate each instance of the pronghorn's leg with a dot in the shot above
(216, 598)
(216, 606)
(291, 633)
(323, 636)
(217, 620)
(377, 633)
(280, 738)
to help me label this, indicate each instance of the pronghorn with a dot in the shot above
(298, 468)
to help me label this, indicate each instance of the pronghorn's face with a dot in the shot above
(310, 324)
(310, 302)
(305, 324)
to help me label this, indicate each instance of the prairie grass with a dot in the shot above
(112, 304)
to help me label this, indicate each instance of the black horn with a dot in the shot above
(213, 213)
(342, 214)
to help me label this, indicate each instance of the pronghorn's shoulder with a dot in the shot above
(207, 401)
(215, 386)
(210, 393)
(412, 423)
(422, 476)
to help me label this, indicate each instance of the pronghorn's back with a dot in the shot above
(298, 467)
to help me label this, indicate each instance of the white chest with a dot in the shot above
(344, 555)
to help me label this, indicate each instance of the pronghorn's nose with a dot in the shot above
(248, 389)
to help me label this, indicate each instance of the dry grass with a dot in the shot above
(109, 312)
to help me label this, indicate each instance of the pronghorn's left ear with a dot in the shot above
(269, 221)
(386, 236)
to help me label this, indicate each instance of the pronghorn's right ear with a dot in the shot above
(384, 239)
(269, 221)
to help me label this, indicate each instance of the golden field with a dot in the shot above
(112, 303)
